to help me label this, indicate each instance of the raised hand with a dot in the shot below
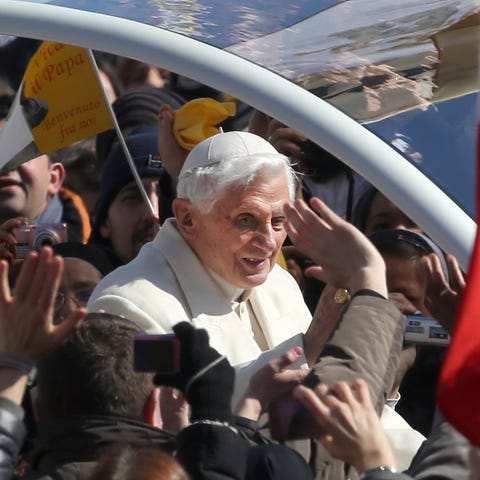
(173, 155)
(271, 382)
(344, 256)
(443, 298)
(350, 425)
(27, 331)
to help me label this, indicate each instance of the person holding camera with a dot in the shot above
(34, 191)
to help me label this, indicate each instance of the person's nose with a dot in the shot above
(266, 236)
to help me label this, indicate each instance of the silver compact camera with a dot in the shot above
(425, 331)
(34, 237)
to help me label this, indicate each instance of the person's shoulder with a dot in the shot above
(142, 291)
(143, 275)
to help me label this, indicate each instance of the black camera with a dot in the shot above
(156, 353)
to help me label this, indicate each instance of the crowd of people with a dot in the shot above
(284, 276)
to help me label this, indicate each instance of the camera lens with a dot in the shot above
(45, 238)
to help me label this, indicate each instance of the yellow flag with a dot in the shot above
(60, 100)
(196, 120)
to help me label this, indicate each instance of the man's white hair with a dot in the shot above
(204, 185)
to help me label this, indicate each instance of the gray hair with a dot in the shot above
(203, 186)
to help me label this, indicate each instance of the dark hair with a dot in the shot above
(92, 373)
(402, 243)
(127, 463)
(81, 166)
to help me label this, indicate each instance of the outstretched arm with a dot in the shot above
(351, 428)
(27, 334)
(344, 258)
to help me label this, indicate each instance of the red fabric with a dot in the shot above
(459, 385)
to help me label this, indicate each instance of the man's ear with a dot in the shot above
(151, 411)
(57, 177)
(186, 217)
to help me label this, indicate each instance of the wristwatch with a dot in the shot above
(381, 468)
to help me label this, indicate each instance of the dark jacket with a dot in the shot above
(211, 452)
(75, 215)
(68, 448)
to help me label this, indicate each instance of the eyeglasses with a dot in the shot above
(80, 298)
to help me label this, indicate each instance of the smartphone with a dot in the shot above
(289, 420)
(425, 331)
(156, 353)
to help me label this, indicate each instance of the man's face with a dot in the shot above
(25, 191)
(242, 235)
(129, 224)
(79, 279)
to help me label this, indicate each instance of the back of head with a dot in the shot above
(228, 160)
(126, 463)
(82, 170)
(92, 373)
(86, 252)
(135, 107)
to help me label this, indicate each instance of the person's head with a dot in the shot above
(83, 268)
(92, 373)
(122, 220)
(229, 207)
(26, 190)
(133, 108)
(402, 251)
(375, 212)
(127, 463)
(133, 74)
